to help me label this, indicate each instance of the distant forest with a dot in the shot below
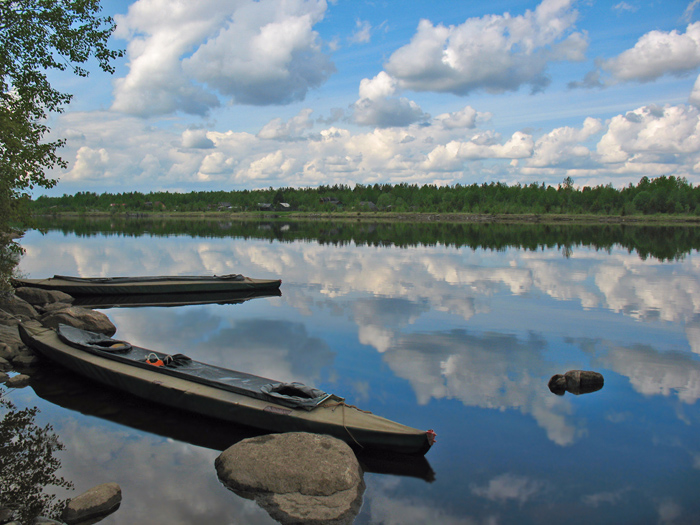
(660, 195)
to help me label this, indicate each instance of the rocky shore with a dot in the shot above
(17, 364)
(295, 477)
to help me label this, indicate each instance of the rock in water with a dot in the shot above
(296, 477)
(576, 382)
(583, 381)
(97, 502)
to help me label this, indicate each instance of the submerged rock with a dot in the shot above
(18, 381)
(576, 382)
(296, 477)
(98, 502)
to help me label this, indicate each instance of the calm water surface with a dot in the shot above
(458, 336)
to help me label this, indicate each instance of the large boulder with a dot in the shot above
(9, 338)
(80, 318)
(37, 296)
(97, 502)
(16, 308)
(296, 477)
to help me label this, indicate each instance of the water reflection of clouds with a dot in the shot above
(655, 373)
(386, 289)
(162, 481)
(492, 370)
(460, 281)
(278, 349)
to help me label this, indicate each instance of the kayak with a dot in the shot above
(149, 285)
(65, 388)
(229, 395)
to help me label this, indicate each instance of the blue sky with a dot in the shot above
(241, 94)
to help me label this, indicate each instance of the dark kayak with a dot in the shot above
(180, 382)
(77, 286)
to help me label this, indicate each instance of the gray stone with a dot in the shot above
(576, 382)
(26, 360)
(296, 477)
(18, 308)
(557, 384)
(583, 381)
(9, 335)
(3, 378)
(5, 364)
(6, 352)
(18, 381)
(97, 502)
(37, 296)
(54, 307)
(80, 318)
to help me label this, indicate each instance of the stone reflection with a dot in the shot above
(28, 466)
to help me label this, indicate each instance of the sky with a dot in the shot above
(240, 94)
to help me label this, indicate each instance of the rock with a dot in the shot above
(5, 364)
(6, 514)
(53, 307)
(18, 381)
(26, 361)
(296, 476)
(9, 336)
(80, 318)
(97, 502)
(557, 384)
(3, 377)
(37, 296)
(5, 351)
(19, 308)
(583, 381)
(576, 382)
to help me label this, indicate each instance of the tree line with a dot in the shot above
(660, 195)
(665, 243)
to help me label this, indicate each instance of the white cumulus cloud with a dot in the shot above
(496, 53)
(658, 53)
(183, 56)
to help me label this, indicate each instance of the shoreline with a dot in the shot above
(417, 217)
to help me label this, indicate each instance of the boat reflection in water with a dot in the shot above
(71, 391)
(172, 299)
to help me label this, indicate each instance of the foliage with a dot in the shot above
(9, 258)
(28, 465)
(37, 36)
(662, 195)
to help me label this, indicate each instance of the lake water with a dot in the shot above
(457, 328)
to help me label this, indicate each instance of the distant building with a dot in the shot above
(329, 200)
